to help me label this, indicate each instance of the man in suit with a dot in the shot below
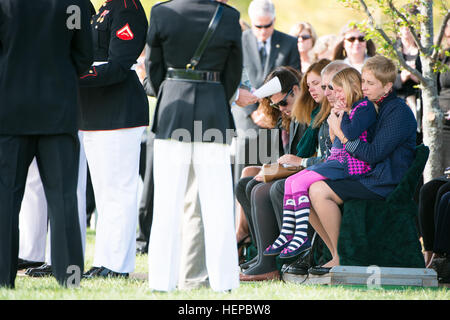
(264, 49)
(43, 50)
(191, 124)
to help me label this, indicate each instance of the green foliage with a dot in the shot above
(390, 17)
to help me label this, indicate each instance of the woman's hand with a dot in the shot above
(259, 177)
(261, 119)
(246, 98)
(334, 122)
(290, 159)
(339, 107)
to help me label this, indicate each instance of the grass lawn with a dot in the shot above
(134, 289)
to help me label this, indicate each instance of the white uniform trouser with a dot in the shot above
(113, 158)
(211, 163)
(33, 213)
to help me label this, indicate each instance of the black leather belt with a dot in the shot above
(193, 75)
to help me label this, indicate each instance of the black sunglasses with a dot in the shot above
(281, 103)
(304, 37)
(264, 26)
(352, 39)
(325, 87)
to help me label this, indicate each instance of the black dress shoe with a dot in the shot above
(103, 272)
(319, 271)
(142, 250)
(43, 271)
(91, 272)
(25, 264)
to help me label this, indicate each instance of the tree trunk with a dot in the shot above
(432, 121)
(432, 125)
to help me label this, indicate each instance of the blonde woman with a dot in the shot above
(306, 39)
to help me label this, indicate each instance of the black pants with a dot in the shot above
(442, 236)
(244, 189)
(430, 195)
(146, 204)
(57, 159)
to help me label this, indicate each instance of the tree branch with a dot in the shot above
(411, 29)
(389, 41)
(440, 36)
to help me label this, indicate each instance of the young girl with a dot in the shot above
(358, 115)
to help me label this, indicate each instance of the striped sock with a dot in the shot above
(301, 213)
(288, 226)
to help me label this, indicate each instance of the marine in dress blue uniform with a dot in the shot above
(114, 114)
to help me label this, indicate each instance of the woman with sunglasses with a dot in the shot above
(306, 39)
(358, 115)
(278, 116)
(264, 206)
(354, 48)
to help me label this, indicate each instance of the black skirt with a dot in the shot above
(348, 189)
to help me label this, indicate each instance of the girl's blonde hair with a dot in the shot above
(349, 79)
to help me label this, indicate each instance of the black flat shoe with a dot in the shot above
(319, 271)
(25, 264)
(103, 272)
(43, 271)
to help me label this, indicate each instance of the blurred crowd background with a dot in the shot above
(326, 16)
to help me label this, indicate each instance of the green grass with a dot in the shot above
(123, 289)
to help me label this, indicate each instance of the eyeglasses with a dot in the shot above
(352, 39)
(266, 26)
(324, 87)
(281, 103)
(304, 37)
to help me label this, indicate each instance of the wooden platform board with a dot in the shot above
(370, 276)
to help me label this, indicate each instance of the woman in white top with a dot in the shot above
(354, 48)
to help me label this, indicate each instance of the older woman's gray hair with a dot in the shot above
(261, 8)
